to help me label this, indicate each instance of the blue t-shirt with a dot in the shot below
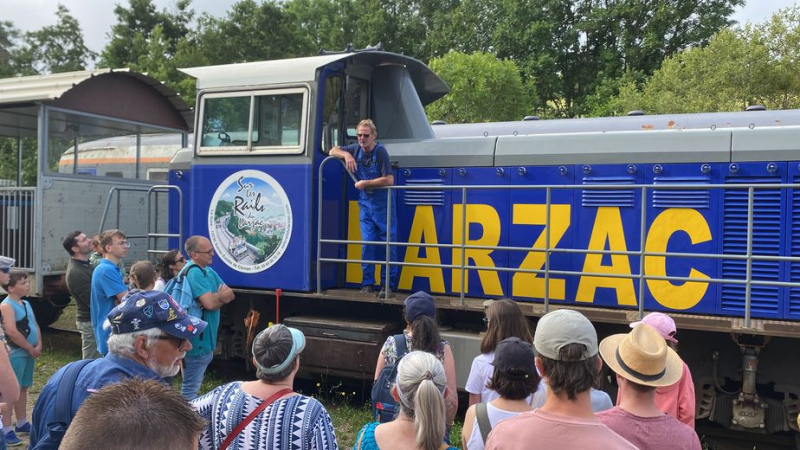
(365, 439)
(202, 282)
(106, 284)
(19, 314)
(98, 373)
(378, 157)
(369, 166)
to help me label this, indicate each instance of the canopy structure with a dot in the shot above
(109, 93)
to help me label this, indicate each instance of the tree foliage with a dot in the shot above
(738, 68)
(8, 34)
(483, 89)
(574, 57)
(54, 48)
(252, 32)
(139, 25)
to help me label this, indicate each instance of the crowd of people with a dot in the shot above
(527, 389)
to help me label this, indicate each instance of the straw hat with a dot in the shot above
(642, 356)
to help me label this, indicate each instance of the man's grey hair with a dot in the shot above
(123, 345)
(192, 244)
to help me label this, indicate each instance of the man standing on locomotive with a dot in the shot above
(369, 160)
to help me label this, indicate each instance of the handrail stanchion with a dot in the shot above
(155, 235)
(463, 242)
(387, 286)
(642, 242)
(548, 201)
(319, 225)
(119, 206)
(106, 208)
(749, 261)
(319, 217)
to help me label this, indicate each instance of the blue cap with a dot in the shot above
(142, 310)
(418, 304)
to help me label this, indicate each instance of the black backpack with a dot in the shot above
(384, 406)
(62, 415)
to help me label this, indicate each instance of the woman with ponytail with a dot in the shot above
(420, 425)
(422, 333)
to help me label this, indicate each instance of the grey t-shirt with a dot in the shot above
(79, 285)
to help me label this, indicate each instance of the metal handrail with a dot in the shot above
(153, 236)
(111, 192)
(748, 257)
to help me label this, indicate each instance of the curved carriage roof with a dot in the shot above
(114, 93)
(297, 70)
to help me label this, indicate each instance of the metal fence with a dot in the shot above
(748, 257)
(17, 218)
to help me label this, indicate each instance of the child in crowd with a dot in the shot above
(97, 253)
(514, 379)
(143, 275)
(503, 320)
(22, 333)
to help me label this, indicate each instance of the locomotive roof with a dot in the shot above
(700, 121)
(297, 70)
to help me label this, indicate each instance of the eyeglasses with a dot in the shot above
(364, 135)
(5, 269)
(179, 260)
(485, 320)
(207, 252)
(122, 244)
(178, 341)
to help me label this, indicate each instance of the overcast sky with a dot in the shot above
(97, 16)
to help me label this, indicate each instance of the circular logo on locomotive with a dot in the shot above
(250, 221)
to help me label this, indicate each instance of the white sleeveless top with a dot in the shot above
(496, 415)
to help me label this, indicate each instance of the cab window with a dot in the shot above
(254, 122)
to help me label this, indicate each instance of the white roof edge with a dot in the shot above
(291, 70)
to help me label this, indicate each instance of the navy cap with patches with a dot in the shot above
(142, 310)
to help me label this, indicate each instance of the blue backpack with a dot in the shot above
(181, 292)
(384, 406)
(62, 411)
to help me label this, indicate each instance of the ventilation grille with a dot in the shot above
(424, 197)
(608, 197)
(681, 198)
(764, 300)
(794, 248)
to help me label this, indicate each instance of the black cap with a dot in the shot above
(514, 353)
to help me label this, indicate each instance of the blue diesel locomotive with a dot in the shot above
(693, 215)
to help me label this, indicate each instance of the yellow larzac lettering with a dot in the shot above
(423, 229)
(607, 228)
(487, 217)
(530, 284)
(353, 273)
(664, 226)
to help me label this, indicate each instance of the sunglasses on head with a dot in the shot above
(181, 259)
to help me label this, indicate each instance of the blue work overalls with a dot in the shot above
(373, 205)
